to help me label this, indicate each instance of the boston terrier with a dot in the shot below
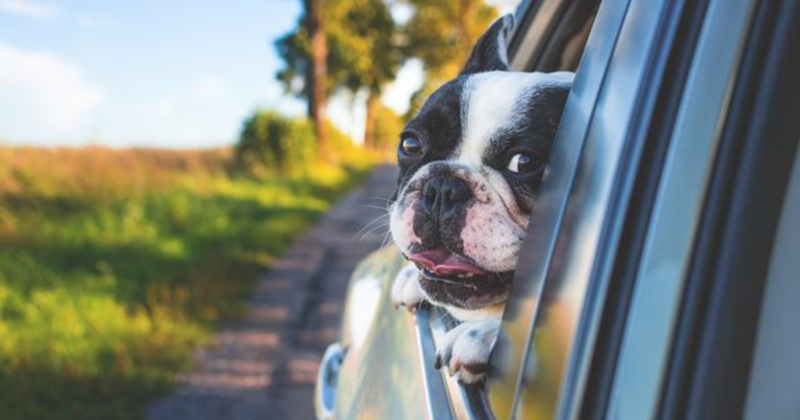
(471, 162)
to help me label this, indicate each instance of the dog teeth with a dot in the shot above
(466, 276)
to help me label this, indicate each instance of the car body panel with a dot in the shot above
(380, 376)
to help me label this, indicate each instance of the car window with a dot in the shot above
(550, 35)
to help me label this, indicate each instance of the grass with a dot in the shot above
(115, 265)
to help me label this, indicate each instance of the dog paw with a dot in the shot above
(405, 289)
(465, 350)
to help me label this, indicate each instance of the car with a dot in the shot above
(660, 279)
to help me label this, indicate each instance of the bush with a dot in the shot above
(273, 143)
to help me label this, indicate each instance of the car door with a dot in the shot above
(643, 302)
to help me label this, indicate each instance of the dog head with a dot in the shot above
(471, 162)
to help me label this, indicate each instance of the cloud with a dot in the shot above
(162, 107)
(28, 8)
(207, 87)
(93, 22)
(195, 95)
(45, 90)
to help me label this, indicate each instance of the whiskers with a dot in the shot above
(382, 221)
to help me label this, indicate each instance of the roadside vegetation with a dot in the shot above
(116, 264)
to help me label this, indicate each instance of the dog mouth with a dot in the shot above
(453, 279)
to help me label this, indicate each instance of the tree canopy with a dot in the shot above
(365, 48)
(442, 33)
(362, 48)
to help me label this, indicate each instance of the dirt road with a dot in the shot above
(264, 365)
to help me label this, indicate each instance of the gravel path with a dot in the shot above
(264, 365)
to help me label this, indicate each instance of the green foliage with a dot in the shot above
(442, 33)
(273, 143)
(362, 48)
(388, 126)
(115, 265)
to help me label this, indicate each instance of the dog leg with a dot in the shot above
(466, 348)
(405, 289)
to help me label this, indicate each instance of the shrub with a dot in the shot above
(273, 143)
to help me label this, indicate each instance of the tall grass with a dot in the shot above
(114, 265)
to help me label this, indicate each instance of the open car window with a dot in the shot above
(550, 36)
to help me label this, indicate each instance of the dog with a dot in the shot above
(471, 162)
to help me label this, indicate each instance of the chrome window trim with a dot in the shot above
(431, 378)
(668, 247)
(460, 400)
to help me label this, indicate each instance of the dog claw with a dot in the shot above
(477, 368)
(465, 350)
(456, 367)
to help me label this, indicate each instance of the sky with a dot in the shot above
(148, 73)
(178, 74)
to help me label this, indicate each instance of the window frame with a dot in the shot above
(470, 402)
(600, 142)
(710, 365)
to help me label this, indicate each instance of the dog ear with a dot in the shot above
(491, 51)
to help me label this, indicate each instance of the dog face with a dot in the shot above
(471, 162)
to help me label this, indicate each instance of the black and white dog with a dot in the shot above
(471, 162)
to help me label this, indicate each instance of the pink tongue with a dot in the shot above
(444, 263)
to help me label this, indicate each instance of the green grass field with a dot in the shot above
(115, 265)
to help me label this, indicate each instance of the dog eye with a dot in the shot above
(522, 163)
(411, 146)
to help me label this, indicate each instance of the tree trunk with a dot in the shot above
(373, 102)
(317, 72)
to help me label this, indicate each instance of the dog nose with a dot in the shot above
(442, 197)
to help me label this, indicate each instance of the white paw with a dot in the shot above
(465, 350)
(405, 289)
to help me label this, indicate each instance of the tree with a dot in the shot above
(316, 71)
(305, 52)
(362, 53)
(441, 33)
